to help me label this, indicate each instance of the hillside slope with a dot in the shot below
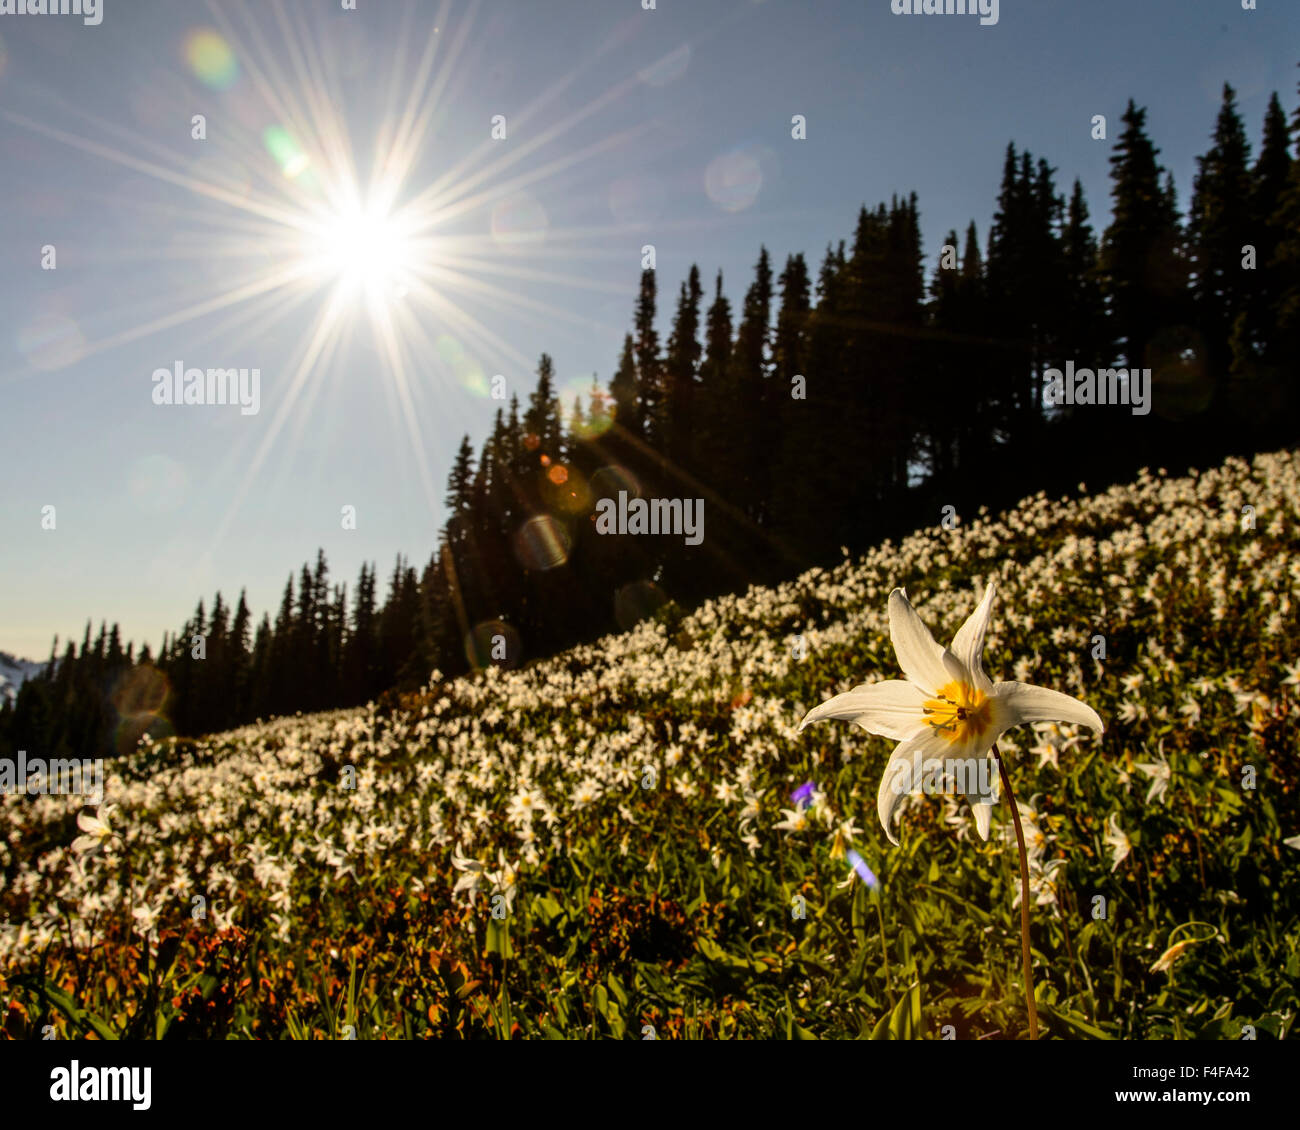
(622, 800)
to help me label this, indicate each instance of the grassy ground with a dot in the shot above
(616, 807)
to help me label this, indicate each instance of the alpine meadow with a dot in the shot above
(647, 522)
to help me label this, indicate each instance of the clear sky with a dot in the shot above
(377, 317)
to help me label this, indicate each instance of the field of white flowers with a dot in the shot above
(625, 810)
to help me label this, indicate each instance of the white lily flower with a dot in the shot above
(96, 828)
(796, 820)
(474, 878)
(504, 879)
(1160, 773)
(146, 921)
(946, 707)
(1117, 840)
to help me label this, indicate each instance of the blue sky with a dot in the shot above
(624, 127)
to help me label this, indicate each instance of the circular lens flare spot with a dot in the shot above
(608, 481)
(566, 492)
(211, 58)
(637, 601)
(542, 543)
(285, 151)
(493, 643)
(468, 372)
(734, 180)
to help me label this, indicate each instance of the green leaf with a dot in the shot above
(78, 1016)
(714, 952)
(655, 981)
(901, 1025)
(498, 938)
(617, 989)
(1079, 1025)
(980, 916)
(881, 1030)
(858, 914)
(547, 908)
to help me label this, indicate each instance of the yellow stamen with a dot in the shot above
(959, 712)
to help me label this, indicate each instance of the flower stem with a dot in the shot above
(1024, 898)
(884, 952)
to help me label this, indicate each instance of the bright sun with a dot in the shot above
(362, 248)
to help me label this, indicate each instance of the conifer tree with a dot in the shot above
(1219, 227)
(680, 374)
(649, 379)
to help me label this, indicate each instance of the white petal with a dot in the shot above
(923, 661)
(983, 814)
(904, 773)
(1014, 703)
(892, 709)
(968, 643)
(91, 825)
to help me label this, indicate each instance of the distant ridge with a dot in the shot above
(14, 672)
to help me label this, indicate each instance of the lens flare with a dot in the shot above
(493, 643)
(141, 690)
(468, 372)
(285, 151)
(542, 543)
(864, 872)
(636, 602)
(211, 58)
(668, 69)
(52, 341)
(566, 491)
(140, 697)
(608, 481)
(734, 180)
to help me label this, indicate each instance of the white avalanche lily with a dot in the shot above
(97, 830)
(1160, 774)
(505, 879)
(1117, 841)
(474, 876)
(796, 820)
(946, 707)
